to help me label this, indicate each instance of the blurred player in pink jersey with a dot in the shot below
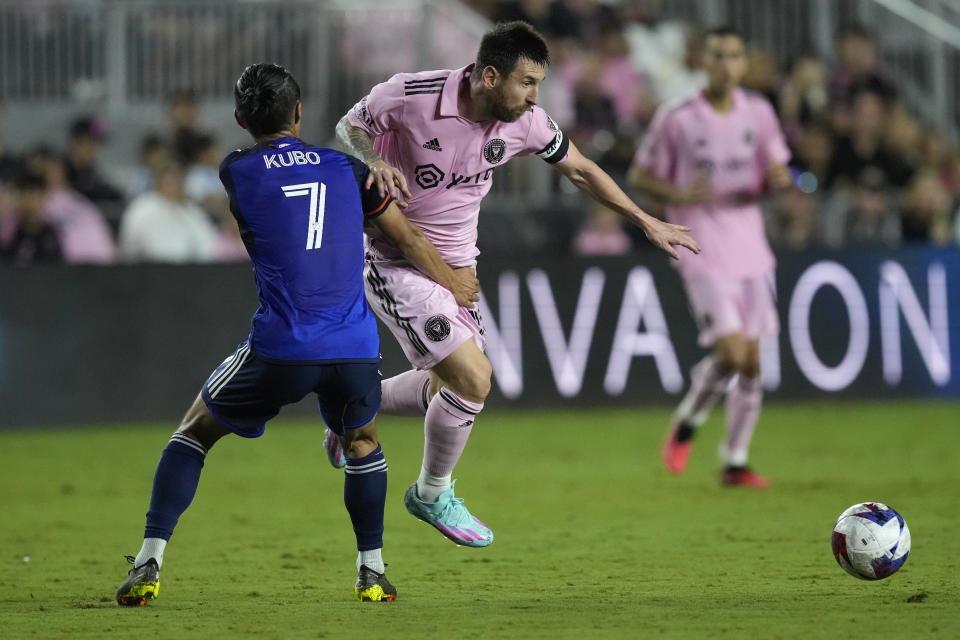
(433, 139)
(709, 158)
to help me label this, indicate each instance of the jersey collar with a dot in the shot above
(451, 91)
(285, 141)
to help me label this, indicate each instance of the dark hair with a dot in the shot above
(724, 31)
(29, 181)
(266, 96)
(182, 96)
(853, 30)
(504, 45)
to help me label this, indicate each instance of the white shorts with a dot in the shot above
(722, 307)
(423, 316)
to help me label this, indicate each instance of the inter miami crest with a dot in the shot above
(428, 175)
(437, 328)
(494, 149)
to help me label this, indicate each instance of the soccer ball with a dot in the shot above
(871, 541)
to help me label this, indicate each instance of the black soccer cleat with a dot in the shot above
(373, 586)
(142, 584)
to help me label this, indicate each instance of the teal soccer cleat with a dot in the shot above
(450, 517)
(331, 444)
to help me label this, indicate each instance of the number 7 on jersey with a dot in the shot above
(318, 200)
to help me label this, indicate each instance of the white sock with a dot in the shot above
(430, 487)
(372, 559)
(152, 548)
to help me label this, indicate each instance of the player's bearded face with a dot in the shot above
(725, 62)
(515, 94)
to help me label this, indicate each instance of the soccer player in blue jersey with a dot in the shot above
(301, 211)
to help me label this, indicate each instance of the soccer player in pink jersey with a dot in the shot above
(433, 139)
(709, 158)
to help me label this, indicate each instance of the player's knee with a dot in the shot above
(200, 425)
(750, 368)
(478, 381)
(359, 443)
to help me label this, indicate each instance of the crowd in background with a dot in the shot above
(867, 171)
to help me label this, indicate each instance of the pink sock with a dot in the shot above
(446, 428)
(743, 408)
(406, 394)
(707, 384)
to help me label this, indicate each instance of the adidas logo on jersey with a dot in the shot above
(433, 145)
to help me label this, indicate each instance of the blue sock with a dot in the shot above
(174, 484)
(364, 493)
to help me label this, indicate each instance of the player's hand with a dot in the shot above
(778, 176)
(388, 180)
(466, 287)
(664, 236)
(697, 191)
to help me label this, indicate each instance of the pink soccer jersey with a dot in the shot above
(448, 160)
(733, 150)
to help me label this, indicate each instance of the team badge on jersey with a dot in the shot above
(494, 150)
(428, 175)
(437, 328)
(553, 125)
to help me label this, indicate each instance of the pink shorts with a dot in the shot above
(423, 316)
(722, 307)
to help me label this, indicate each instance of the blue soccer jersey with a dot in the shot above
(301, 211)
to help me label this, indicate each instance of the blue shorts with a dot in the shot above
(246, 391)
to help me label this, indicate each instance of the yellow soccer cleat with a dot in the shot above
(142, 584)
(373, 586)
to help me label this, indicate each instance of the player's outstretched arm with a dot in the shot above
(410, 241)
(594, 181)
(358, 143)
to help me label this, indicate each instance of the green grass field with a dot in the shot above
(593, 538)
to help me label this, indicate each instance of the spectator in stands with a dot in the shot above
(670, 55)
(203, 184)
(864, 215)
(162, 225)
(813, 154)
(904, 136)
(794, 222)
(9, 163)
(602, 234)
(86, 137)
(82, 232)
(204, 188)
(802, 98)
(857, 66)
(925, 216)
(33, 240)
(761, 76)
(185, 134)
(154, 153)
(864, 146)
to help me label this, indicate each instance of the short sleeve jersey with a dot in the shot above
(448, 160)
(733, 151)
(301, 211)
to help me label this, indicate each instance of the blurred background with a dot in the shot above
(111, 109)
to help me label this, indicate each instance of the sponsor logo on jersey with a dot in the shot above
(494, 150)
(290, 158)
(457, 179)
(436, 328)
(433, 144)
(428, 175)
